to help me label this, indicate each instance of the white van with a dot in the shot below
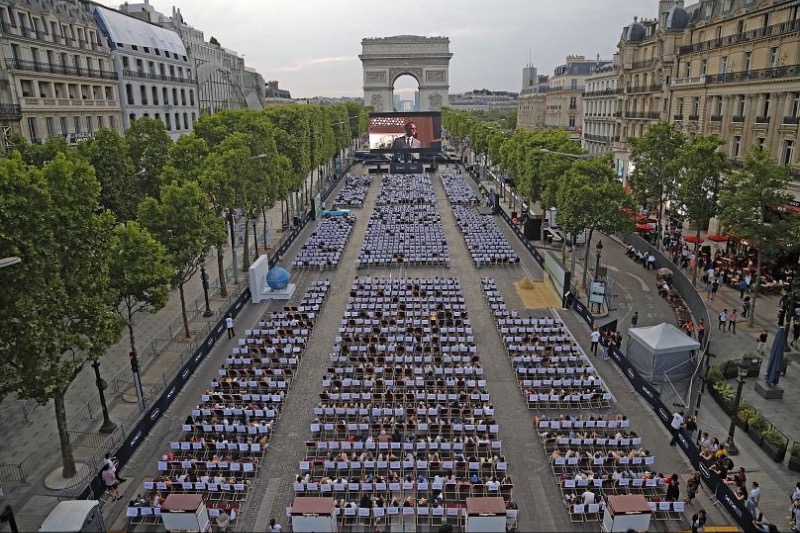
(76, 516)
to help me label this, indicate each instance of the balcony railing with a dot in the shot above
(791, 120)
(148, 76)
(677, 117)
(683, 82)
(762, 120)
(694, 117)
(601, 138)
(715, 118)
(737, 118)
(10, 112)
(643, 114)
(35, 66)
(652, 88)
(604, 92)
(643, 64)
(759, 33)
(772, 73)
(618, 114)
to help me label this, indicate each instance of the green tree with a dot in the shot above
(184, 222)
(588, 198)
(746, 198)
(185, 159)
(148, 147)
(655, 175)
(701, 166)
(141, 273)
(108, 154)
(38, 154)
(64, 314)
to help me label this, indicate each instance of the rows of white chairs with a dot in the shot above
(405, 433)
(487, 244)
(354, 191)
(226, 434)
(324, 247)
(400, 189)
(458, 190)
(410, 235)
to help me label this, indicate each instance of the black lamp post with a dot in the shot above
(108, 426)
(233, 246)
(8, 516)
(599, 248)
(730, 446)
(204, 278)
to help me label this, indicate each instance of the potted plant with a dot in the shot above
(713, 377)
(756, 426)
(746, 412)
(730, 369)
(794, 457)
(725, 394)
(775, 444)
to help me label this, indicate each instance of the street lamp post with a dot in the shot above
(233, 247)
(137, 381)
(730, 446)
(108, 426)
(255, 238)
(599, 248)
(204, 278)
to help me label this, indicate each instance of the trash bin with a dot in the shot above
(753, 365)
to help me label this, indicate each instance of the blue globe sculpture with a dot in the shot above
(277, 278)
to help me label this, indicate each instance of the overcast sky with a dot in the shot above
(311, 46)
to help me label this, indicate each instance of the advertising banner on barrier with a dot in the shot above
(168, 395)
(715, 485)
(583, 312)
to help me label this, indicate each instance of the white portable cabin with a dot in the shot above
(185, 512)
(485, 515)
(625, 513)
(313, 515)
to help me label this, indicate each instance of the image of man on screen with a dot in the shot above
(408, 141)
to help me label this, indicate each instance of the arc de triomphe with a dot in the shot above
(385, 59)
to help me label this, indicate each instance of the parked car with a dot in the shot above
(328, 213)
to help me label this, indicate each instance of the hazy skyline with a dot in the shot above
(311, 46)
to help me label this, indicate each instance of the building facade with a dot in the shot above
(156, 76)
(564, 100)
(601, 110)
(531, 104)
(221, 74)
(737, 75)
(484, 100)
(57, 77)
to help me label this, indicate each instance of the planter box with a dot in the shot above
(755, 435)
(794, 463)
(775, 453)
(730, 370)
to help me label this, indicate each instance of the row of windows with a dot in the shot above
(64, 125)
(786, 155)
(167, 119)
(763, 104)
(60, 31)
(54, 58)
(744, 61)
(32, 88)
(153, 93)
(156, 51)
(162, 70)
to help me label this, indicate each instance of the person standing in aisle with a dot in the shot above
(595, 340)
(229, 326)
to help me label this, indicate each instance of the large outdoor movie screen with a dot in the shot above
(405, 133)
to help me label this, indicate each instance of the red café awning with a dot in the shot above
(693, 239)
(644, 227)
(716, 237)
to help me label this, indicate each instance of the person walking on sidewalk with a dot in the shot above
(112, 464)
(723, 320)
(595, 340)
(701, 331)
(742, 287)
(795, 332)
(676, 424)
(732, 321)
(761, 347)
(699, 521)
(635, 319)
(229, 325)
